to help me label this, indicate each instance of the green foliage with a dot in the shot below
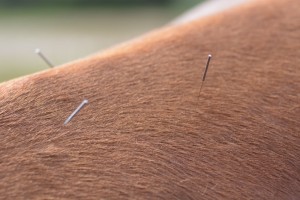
(82, 2)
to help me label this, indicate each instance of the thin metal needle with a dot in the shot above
(39, 52)
(204, 75)
(76, 111)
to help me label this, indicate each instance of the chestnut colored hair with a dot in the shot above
(145, 134)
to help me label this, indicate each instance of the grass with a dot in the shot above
(68, 33)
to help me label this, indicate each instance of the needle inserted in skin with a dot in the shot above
(204, 75)
(76, 111)
(39, 52)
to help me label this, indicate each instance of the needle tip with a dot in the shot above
(37, 51)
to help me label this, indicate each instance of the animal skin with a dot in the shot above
(145, 134)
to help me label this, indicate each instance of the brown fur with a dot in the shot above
(145, 135)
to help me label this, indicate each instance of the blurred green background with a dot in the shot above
(66, 30)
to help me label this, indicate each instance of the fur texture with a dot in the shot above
(145, 134)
